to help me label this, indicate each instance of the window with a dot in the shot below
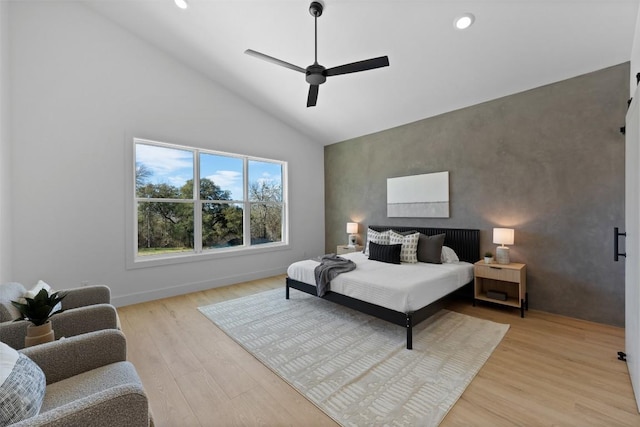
(190, 201)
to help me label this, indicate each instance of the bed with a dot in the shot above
(408, 302)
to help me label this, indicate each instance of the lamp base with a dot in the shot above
(352, 240)
(502, 255)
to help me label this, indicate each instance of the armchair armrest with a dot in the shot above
(72, 356)
(79, 297)
(124, 405)
(13, 332)
(84, 319)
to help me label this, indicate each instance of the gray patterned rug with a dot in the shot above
(355, 367)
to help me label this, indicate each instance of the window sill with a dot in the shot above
(157, 261)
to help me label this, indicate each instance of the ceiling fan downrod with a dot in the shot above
(315, 9)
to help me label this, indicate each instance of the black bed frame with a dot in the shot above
(466, 244)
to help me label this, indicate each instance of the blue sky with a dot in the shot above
(174, 167)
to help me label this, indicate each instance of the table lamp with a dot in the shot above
(503, 236)
(352, 230)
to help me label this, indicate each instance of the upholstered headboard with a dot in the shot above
(466, 242)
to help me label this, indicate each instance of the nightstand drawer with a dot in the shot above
(497, 273)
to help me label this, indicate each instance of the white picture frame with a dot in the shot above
(424, 196)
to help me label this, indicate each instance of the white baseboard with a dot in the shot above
(185, 288)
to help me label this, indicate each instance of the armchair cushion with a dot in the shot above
(90, 383)
(22, 386)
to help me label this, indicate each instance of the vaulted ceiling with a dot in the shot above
(513, 45)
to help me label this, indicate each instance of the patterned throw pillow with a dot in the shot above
(379, 237)
(409, 245)
(22, 386)
(385, 253)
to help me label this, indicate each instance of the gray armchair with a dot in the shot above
(89, 383)
(86, 309)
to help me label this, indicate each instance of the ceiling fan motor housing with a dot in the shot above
(315, 74)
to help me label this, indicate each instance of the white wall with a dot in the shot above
(5, 149)
(635, 57)
(81, 88)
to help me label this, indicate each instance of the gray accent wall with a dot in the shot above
(548, 162)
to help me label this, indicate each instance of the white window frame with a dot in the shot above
(198, 254)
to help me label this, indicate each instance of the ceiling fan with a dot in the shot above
(316, 73)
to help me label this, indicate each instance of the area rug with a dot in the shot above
(354, 367)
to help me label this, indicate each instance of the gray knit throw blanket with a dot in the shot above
(330, 266)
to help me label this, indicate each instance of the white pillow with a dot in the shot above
(8, 359)
(379, 237)
(22, 386)
(36, 289)
(408, 252)
(449, 255)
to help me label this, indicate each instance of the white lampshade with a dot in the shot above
(503, 236)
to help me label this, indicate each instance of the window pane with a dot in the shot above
(221, 225)
(164, 228)
(163, 172)
(221, 177)
(265, 181)
(266, 223)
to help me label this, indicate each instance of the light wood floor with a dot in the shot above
(548, 370)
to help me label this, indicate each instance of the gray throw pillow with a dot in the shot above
(430, 248)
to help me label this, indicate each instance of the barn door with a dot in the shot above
(632, 244)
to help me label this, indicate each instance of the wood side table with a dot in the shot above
(501, 279)
(344, 249)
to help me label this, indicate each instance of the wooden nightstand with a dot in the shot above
(510, 279)
(344, 249)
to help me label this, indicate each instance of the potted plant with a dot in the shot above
(38, 310)
(488, 257)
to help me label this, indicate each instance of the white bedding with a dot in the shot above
(404, 287)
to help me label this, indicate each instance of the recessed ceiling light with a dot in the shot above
(464, 21)
(182, 4)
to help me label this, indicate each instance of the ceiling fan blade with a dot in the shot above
(313, 95)
(274, 60)
(354, 67)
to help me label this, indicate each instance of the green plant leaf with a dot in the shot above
(38, 309)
